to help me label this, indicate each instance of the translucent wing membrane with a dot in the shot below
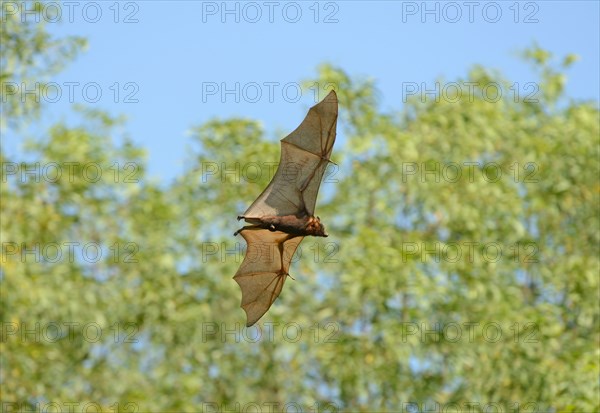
(305, 154)
(264, 269)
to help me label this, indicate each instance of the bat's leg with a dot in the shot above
(247, 227)
(250, 220)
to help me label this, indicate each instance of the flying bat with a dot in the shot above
(284, 213)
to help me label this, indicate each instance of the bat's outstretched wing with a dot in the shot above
(304, 156)
(264, 269)
(293, 191)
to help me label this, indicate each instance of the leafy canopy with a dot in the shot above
(380, 317)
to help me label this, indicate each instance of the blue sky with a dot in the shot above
(170, 51)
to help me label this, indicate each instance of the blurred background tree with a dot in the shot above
(378, 314)
(30, 55)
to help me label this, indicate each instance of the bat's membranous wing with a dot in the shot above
(264, 269)
(304, 156)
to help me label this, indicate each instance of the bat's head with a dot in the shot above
(315, 228)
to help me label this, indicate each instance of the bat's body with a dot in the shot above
(299, 226)
(284, 213)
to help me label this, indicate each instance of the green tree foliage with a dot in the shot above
(389, 313)
(29, 56)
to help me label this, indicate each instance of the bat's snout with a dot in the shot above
(323, 230)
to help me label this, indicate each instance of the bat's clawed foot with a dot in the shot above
(240, 217)
(248, 227)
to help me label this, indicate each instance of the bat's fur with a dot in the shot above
(290, 224)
